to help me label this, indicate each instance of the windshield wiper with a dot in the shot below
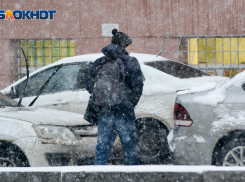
(44, 86)
(27, 72)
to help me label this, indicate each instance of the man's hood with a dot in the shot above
(43, 116)
(113, 51)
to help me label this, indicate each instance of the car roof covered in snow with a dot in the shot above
(142, 58)
(92, 57)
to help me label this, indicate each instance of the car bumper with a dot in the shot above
(43, 153)
(190, 148)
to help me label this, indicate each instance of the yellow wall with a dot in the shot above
(192, 56)
(44, 52)
(220, 49)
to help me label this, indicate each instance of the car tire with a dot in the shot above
(151, 142)
(12, 156)
(230, 153)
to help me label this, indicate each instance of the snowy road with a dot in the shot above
(112, 168)
(124, 173)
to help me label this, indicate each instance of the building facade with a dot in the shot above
(202, 33)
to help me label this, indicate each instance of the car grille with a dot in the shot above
(57, 159)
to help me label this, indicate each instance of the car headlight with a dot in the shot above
(54, 132)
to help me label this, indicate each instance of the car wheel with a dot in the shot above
(12, 156)
(4, 162)
(151, 141)
(232, 154)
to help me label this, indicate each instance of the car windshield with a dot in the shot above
(6, 101)
(176, 69)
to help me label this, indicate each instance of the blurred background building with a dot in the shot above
(206, 34)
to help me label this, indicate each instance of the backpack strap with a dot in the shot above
(104, 61)
(121, 67)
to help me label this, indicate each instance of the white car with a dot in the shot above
(154, 112)
(37, 137)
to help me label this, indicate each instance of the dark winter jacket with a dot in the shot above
(133, 84)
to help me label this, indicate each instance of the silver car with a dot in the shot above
(210, 124)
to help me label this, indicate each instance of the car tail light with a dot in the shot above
(181, 116)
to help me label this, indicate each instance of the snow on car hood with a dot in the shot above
(216, 93)
(43, 116)
(209, 81)
(206, 94)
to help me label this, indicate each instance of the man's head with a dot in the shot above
(120, 39)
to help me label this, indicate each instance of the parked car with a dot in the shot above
(34, 137)
(163, 77)
(210, 124)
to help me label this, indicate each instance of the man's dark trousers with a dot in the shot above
(108, 128)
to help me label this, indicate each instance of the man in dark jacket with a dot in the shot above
(116, 119)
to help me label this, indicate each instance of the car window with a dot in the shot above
(243, 86)
(176, 69)
(34, 84)
(82, 75)
(63, 80)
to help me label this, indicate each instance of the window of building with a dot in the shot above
(43, 52)
(218, 53)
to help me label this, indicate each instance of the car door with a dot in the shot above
(82, 95)
(60, 92)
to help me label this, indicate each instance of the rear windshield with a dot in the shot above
(177, 69)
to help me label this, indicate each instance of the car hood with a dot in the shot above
(43, 116)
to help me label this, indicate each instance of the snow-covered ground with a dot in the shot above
(145, 168)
